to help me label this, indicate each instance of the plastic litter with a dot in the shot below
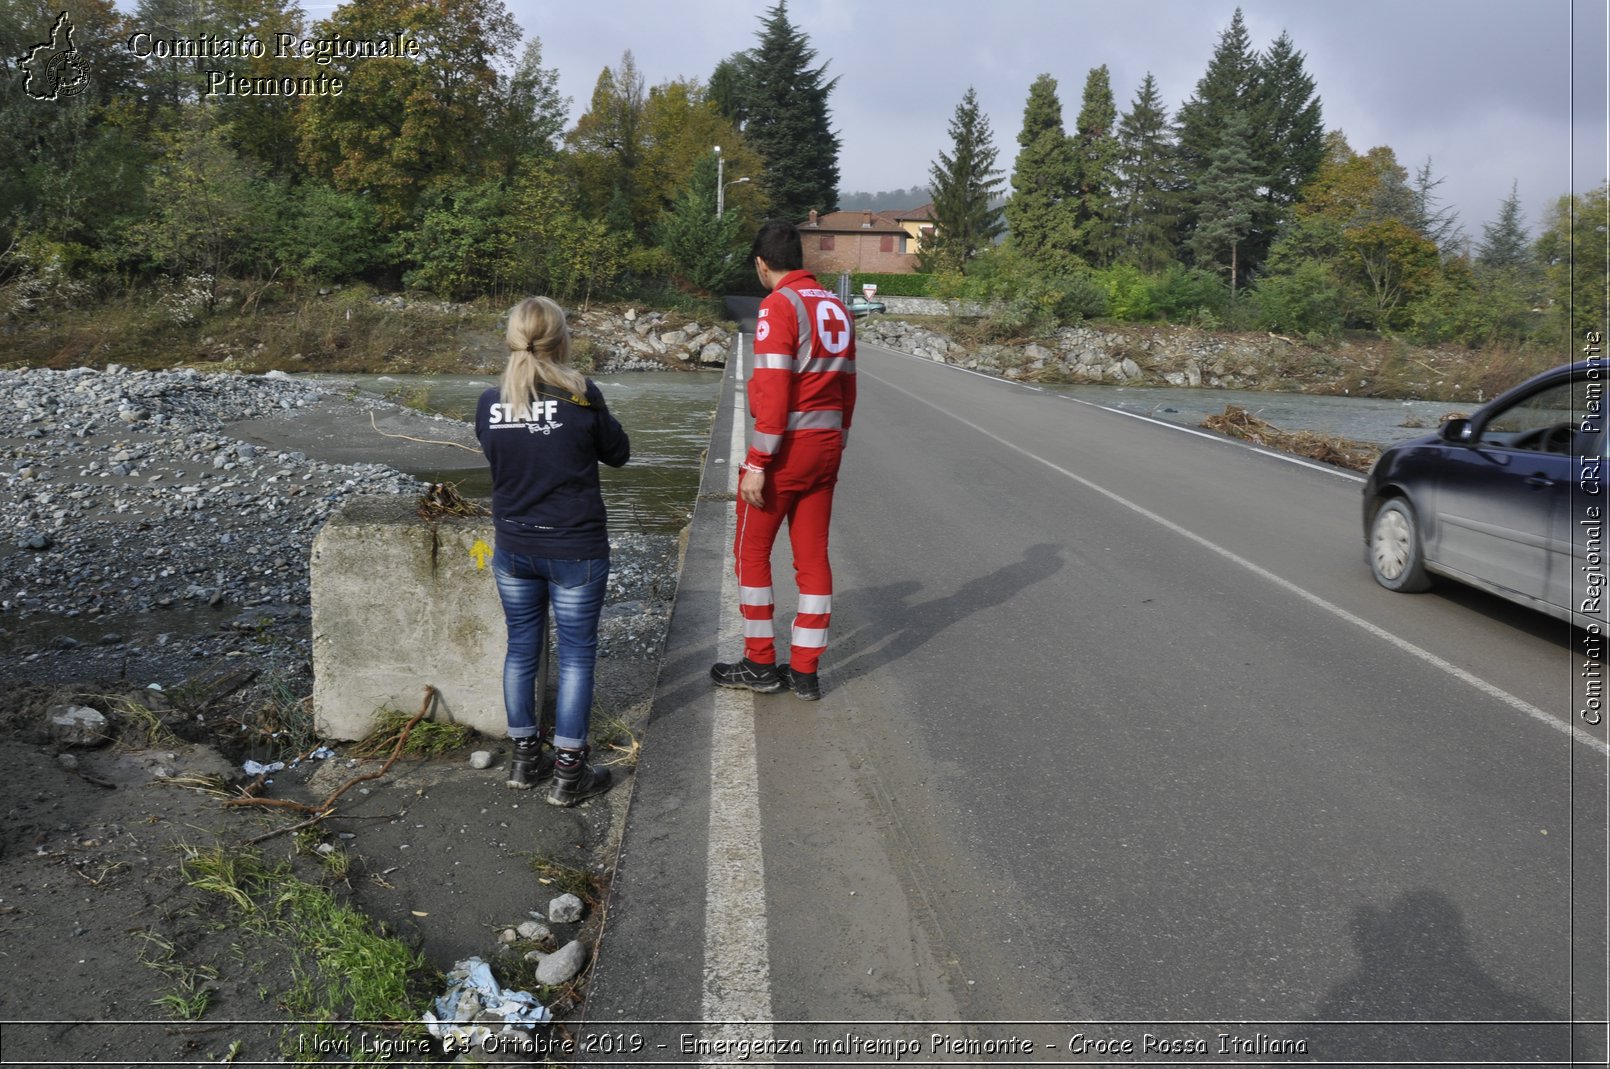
(254, 769)
(321, 754)
(475, 1008)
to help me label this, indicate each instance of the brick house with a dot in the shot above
(858, 241)
(916, 222)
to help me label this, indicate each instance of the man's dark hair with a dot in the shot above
(779, 245)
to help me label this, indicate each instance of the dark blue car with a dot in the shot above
(1511, 500)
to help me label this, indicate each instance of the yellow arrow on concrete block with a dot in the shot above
(481, 552)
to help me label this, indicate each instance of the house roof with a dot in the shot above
(861, 222)
(924, 214)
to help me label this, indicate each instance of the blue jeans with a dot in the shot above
(576, 588)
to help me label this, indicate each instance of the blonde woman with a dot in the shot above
(543, 431)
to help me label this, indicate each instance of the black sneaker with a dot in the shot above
(807, 685)
(761, 678)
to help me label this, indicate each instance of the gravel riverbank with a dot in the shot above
(158, 527)
(158, 519)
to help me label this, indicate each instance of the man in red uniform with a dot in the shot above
(801, 395)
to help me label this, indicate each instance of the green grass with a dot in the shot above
(430, 738)
(343, 967)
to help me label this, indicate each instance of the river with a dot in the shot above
(668, 415)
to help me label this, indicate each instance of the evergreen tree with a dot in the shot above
(1437, 222)
(1226, 89)
(1288, 138)
(705, 247)
(1039, 214)
(786, 119)
(1504, 244)
(964, 182)
(1145, 153)
(727, 89)
(535, 111)
(1095, 205)
(1227, 201)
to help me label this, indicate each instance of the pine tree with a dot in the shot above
(786, 119)
(705, 246)
(1504, 244)
(1039, 214)
(1288, 138)
(1095, 231)
(1227, 200)
(1226, 89)
(963, 183)
(1145, 209)
(1437, 222)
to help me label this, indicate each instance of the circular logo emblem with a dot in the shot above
(832, 327)
(763, 331)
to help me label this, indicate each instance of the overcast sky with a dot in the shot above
(1484, 88)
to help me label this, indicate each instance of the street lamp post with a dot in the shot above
(721, 186)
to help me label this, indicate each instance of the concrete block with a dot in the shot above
(399, 603)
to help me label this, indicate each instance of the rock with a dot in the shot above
(67, 761)
(509, 936)
(535, 957)
(562, 966)
(566, 909)
(77, 725)
(481, 759)
(534, 930)
(713, 353)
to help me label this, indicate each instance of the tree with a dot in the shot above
(1227, 88)
(1039, 213)
(406, 125)
(786, 119)
(607, 148)
(1227, 197)
(534, 112)
(1572, 250)
(705, 247)
(964, 182)
(1145, 213)
(202, 198)
(681, 129)
(1288, 137)
(1504, 244)
(1436, 221)
(1095, 231)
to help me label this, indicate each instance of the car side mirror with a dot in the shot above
(1456, 430)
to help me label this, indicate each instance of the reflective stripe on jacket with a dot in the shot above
(804, 375)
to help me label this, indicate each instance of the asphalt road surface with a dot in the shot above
(1122, 757)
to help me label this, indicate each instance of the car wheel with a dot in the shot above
(1395, 556)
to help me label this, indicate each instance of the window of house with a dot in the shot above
(886, 243)
(903, 249)
(827, 243)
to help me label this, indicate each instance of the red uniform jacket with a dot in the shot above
(804, 377)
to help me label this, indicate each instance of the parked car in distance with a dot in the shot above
(860, 306)
(1510, 500)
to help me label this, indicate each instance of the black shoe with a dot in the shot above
(575, 778)
(807, 685)
(761, 678)
(525, 768)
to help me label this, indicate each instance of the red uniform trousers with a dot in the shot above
(799, 488)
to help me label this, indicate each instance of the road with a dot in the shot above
(1122, 754)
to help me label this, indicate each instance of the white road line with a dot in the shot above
(1520, 704)
(737, 971)
(1167, 425)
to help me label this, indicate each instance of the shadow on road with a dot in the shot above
(1416, 965)
(895, 626)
